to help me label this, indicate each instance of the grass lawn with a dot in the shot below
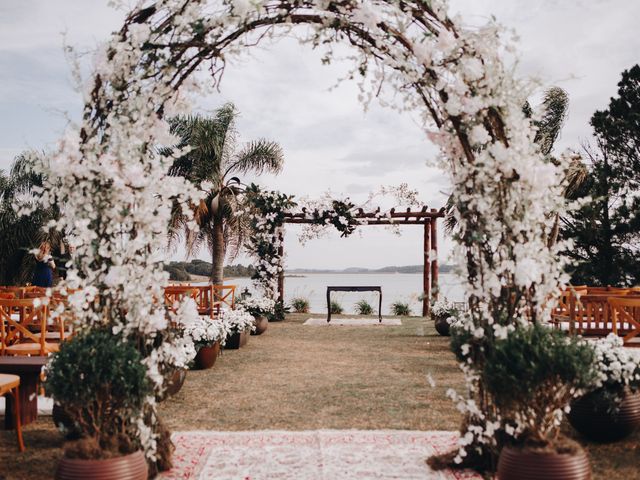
(297, 377)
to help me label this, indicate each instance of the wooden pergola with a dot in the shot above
(426, 217)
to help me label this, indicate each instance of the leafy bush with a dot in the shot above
(300, 305)
(335, 308)
(100, 383)
(364, 308)
(279, 312)
(616, 370)
(400, 309)
(533, 375)
(443, 308)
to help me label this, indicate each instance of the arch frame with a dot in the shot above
(117, 193)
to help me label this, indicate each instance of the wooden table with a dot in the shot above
(28, 369)
(353, 289)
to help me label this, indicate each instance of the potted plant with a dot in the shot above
(532, 373)
(239, 323)
(611, 410)
(207, 335)
(260, 308)
(443, 313)
(363, 307)
(178, 361)
(300, 305)
(400, 309)
(279, 313)
(98, 380)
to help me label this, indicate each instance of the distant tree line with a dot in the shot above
(182, 271)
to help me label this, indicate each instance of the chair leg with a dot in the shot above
(18, 425)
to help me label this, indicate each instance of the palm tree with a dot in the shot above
(19, 234)
(215, 162)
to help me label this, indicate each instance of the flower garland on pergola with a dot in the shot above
(270, 210)
(117, 194)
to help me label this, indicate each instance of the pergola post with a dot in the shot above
(434, 260)
(426, 285)
(281, 272)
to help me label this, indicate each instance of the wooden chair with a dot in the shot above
(201, 294)
(10, 386)
(19, 291)
(625, 317)
(16, 335)
(608, 290)
(561, 314)
(228, 298)
(174, 294)
(57, 331)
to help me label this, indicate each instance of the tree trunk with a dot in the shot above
(217, 253)
(608, 275)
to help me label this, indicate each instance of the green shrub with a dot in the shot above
(300, 305)
(279, 312)
(100, 383)
(364, 308)
(335, 308)
(534, 373)
(400, 309)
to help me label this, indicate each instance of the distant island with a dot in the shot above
(200, 270)
(392, 269)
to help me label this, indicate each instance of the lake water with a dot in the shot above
(405, 287)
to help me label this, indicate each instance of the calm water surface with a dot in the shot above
(405, 287)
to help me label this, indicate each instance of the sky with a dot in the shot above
(284, 94)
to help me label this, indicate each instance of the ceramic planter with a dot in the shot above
(261, 324)
(595, 422)
(206, 357)
(526, 464)
(236, 340)
(126, 467)
(174, 384)
(442, 325)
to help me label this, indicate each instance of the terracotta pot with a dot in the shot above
(261, 324)
(206, 357)
(596, 423)
(525, 464)
(236, 340)
(174, 384)
(442, 325)
(127, 467)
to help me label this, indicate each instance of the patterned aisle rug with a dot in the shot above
(311, 455)
(353, 322)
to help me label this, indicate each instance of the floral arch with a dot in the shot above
(118, 196)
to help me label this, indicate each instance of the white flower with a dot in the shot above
(479, 135)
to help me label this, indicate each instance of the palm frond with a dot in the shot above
(554, 113)
(575, 177)
(259, 156)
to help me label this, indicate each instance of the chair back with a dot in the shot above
(225, 294)
(31, 314)
(204, 296)
(625, 317)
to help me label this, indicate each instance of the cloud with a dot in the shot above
(285, 94)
